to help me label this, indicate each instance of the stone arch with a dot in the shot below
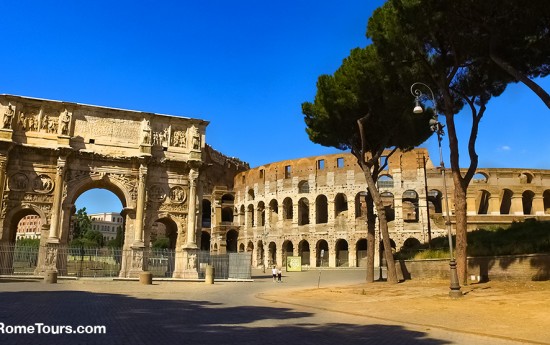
(321, 209)
(174, 243)
(231, 241)
(340, 205)
(303, 211)
(205, 240)
(11, 221)
(411, 243)
(241, 248)
(261, 214)
(525, 177)
(287, 250)
(303, 187)
(322, 253)
(250, 221)
(435, 198)
(304, 252)
(206, 213)
(388, 201)
(251, 194)
(273, 212)
(288, 213)
(410, 206)
(546, 201)
(272, 254)
(242, 215)
(361, 205)
(506, 201)
(227, 214)
(527, 201)
(361, 248)
(385, 181)
(113, 185)
(342, 253)
(482, 201)
(480, 177)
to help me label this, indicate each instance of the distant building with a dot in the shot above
(29, 227)
(107, 223)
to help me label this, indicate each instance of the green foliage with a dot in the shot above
(118, 241)
(161, 243)
(28, 242)
(82, 223)
(529, 237)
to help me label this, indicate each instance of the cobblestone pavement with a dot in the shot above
(197, 313)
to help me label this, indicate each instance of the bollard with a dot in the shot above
(209, 274)
(50, 277)
(146, 278)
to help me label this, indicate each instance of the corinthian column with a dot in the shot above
(191, 219)
(57, 196)
(140, 206)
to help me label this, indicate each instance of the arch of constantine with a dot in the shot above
(162, 171)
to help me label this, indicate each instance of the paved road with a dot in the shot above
(197, 313)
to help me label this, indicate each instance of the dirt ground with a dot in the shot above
(509, 310)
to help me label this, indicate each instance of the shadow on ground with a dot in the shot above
(130, 320)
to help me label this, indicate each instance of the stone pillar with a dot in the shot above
(331, 255)
(517, 205)
(3, 166)
(140, 208)
(58, 195)
(471, 204)
(192, 218)
(538, 205)
(494, 205)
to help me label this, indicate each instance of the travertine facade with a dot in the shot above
(307, 206)
(51, 152)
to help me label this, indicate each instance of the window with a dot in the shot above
(287, 171)
(261, 173)
(320, 164)
(340, 162)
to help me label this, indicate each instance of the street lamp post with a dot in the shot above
(437, 127)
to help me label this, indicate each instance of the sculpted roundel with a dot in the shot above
(43, 184)
(157, 193)
(18, 181)
(177, 195)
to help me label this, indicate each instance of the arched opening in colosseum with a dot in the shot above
(303, 211)
(434, 200)
(546, 201)
(321, 210)
(250, 221)
(382, 252)
(340, 205)
(483, 202)
(361, 205)
(506, 201)
(206, 213)
(303, 187)
(525, 177)
(288, 250)
(322, 253)
(272, 254)
(251, 194)
(227, 214)
(242, 215)
(288, 213)
(410, 206)
(260, 214)
(205, 241)
(273, 212)
(241, 248)
(527, 201)
(361, 252)
(411, 244)
(303, 252)
(389, 205)
(250, 247)
(342, 253)
(479, 178)
(385, 181)
(231, 241)
(260, 253)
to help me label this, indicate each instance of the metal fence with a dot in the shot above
(107, 262)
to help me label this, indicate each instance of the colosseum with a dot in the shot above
(313, 208)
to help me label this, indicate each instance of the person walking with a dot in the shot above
(274, 273)
(279, 275)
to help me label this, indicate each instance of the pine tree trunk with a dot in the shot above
(371, 245)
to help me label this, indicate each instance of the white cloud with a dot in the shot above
(505, 148)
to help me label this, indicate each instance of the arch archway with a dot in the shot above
(304, 252)
(342, 253)
(322, 253)
(361, 252)
(231, 241)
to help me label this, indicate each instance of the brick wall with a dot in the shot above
(513, 267)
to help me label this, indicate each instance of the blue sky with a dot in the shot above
(245, 66)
